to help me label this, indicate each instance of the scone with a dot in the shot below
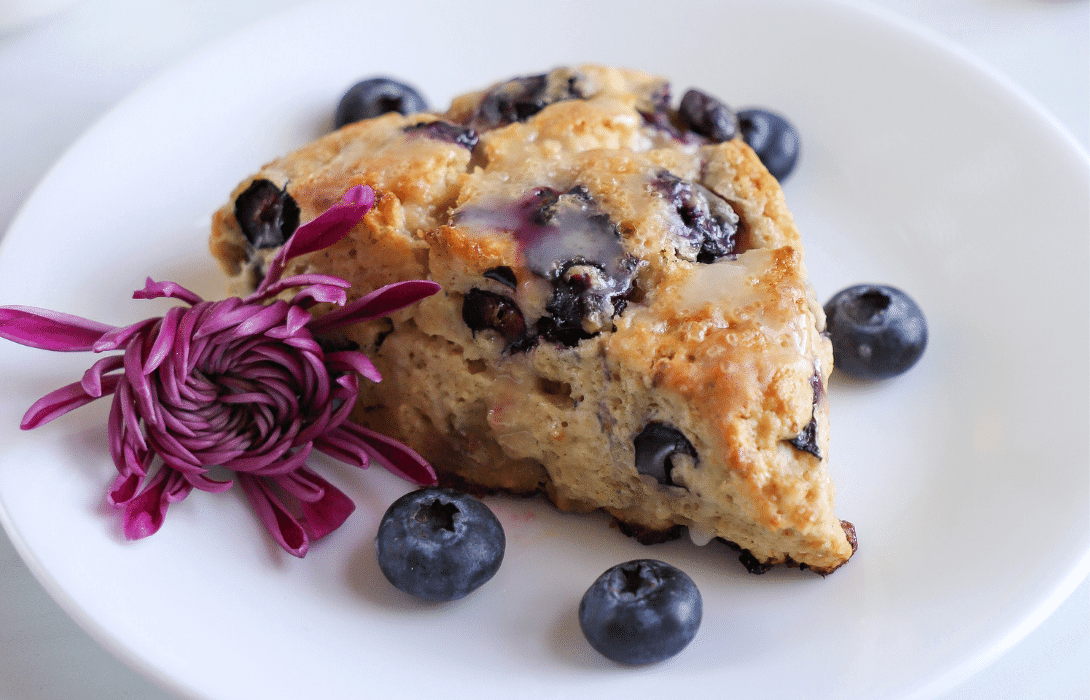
(625, 324)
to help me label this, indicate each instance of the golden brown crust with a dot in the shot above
(728, 353)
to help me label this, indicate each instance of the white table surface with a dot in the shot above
(61, 73)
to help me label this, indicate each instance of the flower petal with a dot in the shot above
(380, 302)
(323, 231)
(327, 282)
(164, 340)
(156, 290)
(144, 514)
(120, 336)
(68, 398)
(342, 446)
(329, 512)
(297, 320)
(204, 483)
(50, 330)
(355, 362)
(283, 527)
(124, 489)
(92, 378)
(261, 319)
(396, 457)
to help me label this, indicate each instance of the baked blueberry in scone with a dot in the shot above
(625, 324)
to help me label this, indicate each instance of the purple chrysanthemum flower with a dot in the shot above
(240, 384)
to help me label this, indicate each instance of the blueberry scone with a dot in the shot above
(625, 324)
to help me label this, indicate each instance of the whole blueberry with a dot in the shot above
(267, 215)
(772, 138)
(439, 544)
(641, 612)
(707, 116)
(376, 96)
(877, 331)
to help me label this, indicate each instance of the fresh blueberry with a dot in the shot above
(376, 96)
(705, 115)
(773, 139)
(641, 612)
(709, 229)
(877, 331)
(483, 310)
(445, 131)
(266, 214)
(439, 544)
(657, 446)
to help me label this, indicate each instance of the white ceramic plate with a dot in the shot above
(966, 478)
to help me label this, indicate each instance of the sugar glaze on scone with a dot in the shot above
(625, 324)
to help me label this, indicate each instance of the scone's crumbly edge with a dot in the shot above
(605, 275)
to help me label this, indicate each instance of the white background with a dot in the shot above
(61, 72)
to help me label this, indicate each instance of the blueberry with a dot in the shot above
(266, 214)
(877, 331)
(580, 304)
(519, 99)
(483, 310)
(569, 241)
(807, 439)
(502, 274)
(445, 131)
(439, 544)
(657, 446)
(376, 96)
(772, 138)
(641, 612)
(710, 226)
(705, 115)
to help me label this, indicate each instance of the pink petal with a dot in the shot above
(261, 319)
(50, 330)
(284, 528)
(342, 446)
(177, 488)
(68, 398)
(320, 294)
(146, 404)
(297, 320)
(304, 280)
(230, 312)
(323, 231)
(124, 489)
(92, 378)
(301, 483)
(288, 464)
(380, 302)
(208, 485)
(144, 514)
(156, 290)
(396, 457)
(329, 512)
(355, 362)
(120, 336)
(163, 346)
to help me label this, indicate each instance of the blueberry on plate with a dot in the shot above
(439, 544)
(772, 138)
(877, 331)
(641, 612)
(376, 96)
